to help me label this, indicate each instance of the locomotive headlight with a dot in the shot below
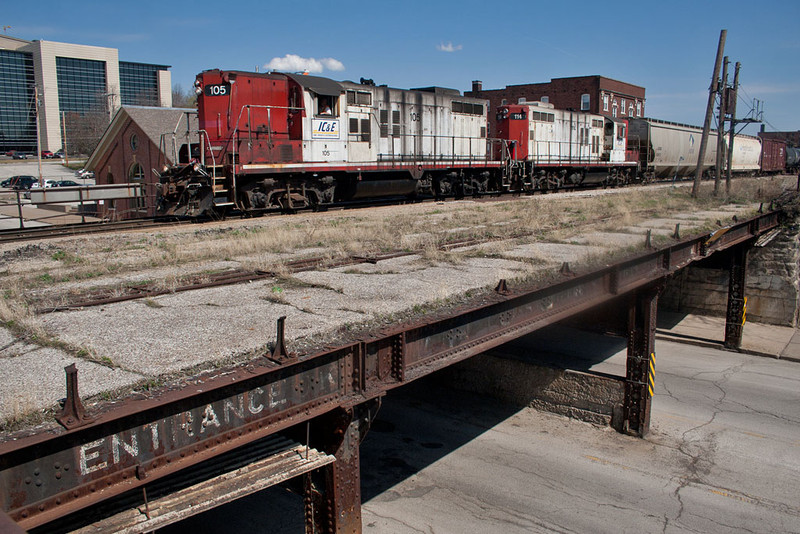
(197, 91)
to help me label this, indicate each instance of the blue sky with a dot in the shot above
(667, 47)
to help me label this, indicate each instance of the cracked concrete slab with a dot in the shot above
(34, 378)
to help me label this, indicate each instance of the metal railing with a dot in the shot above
(86, 199)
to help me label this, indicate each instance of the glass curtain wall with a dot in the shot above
(17, 106)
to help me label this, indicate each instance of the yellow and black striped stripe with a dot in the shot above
(744, 311)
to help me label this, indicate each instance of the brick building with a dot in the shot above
(593, 94)
(138, 140)
(791, 138)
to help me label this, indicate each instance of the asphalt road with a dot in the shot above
(723, 455)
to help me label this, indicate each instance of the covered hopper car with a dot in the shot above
(670, 150)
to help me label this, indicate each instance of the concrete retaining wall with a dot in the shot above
(589, 397)
(773, 288)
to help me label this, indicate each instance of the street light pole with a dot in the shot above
(64, 138)
(38, 134)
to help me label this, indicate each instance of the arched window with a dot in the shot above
(134, 142)
(136, 172)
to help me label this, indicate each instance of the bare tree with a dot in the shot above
(183, 98)
(85, 128)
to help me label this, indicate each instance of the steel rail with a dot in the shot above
(72, 230)
(53, 472)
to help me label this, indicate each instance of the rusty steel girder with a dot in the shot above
(57, 471)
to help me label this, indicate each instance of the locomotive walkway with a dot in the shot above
(345, 318)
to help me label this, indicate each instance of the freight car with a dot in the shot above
(289, 141)
(551, 148)
(773, 156)
(670, 150)
(792, 159)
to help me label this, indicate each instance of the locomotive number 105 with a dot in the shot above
(217, 90)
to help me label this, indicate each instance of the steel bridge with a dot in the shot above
(145, 462)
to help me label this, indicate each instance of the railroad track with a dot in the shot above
(71, 230)
(238, 276)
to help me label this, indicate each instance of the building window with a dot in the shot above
(545, 99)
(638, 109)
(134, 142)
(622, 106)
(139, 83)
(136, 172)
(585, 100)
(17, 112)
(605, 102)
(85, 101)
(614, 110)
(630, 110)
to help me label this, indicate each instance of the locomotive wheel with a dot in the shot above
(553, 182)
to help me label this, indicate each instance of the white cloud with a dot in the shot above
(448, 47)
(295, 63)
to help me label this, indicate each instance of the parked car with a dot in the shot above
(66, 183)
(47, 154)
(22, 182)
(19, 155)
(59, 154)
(47, 183)
(84, 173)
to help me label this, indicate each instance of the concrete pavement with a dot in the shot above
(759, 339)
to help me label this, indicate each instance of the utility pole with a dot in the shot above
(712, 93)
(38, 133)
(719, 165)
(732, 96)
(64, 138)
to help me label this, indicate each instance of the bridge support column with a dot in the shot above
(641, 361)
(332, 499)
(735, 316)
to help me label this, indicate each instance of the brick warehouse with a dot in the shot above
(593, 94)
(791, 138)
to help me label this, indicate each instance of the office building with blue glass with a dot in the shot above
(79, 88)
